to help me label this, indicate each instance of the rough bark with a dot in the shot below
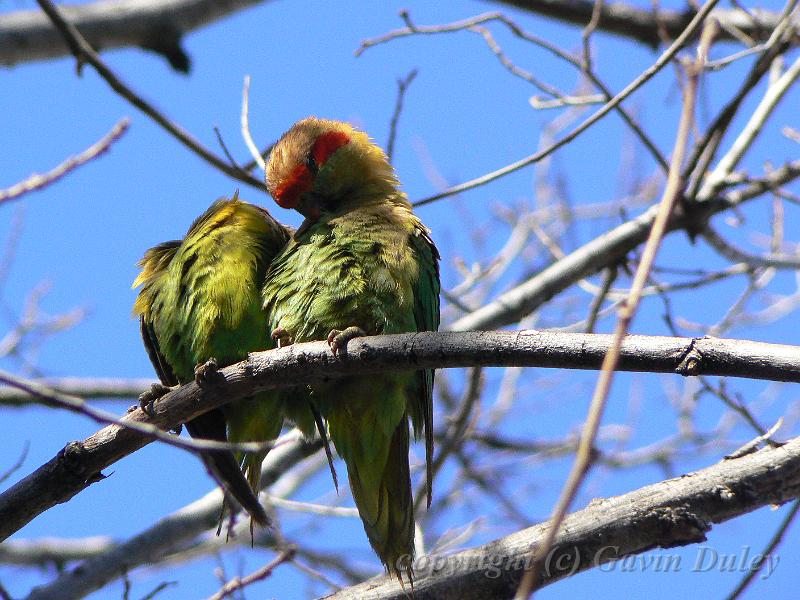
(675, 512)
(157, 25)
(167, 534)
(606, 250)
(80, 464)
(647, 26)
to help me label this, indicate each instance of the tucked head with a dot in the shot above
(319, 164)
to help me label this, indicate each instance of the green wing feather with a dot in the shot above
(376, 269)
(426, 315)
(200, 298)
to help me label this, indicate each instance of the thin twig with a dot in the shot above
(738, 407)
(238, 583)
(313, 509)
(606, 249)
(587, 32)
(707, 146)
(105, 388)
(597, 303)
(402, 88)
(37, 181)
(84, 53)
(80, 406)
(753, 444)
(224, 146)
(563, 101)
(643, 78)
(471, 25)
(583, 459)
(734, 254)
(16, 466)
(511, 67)
(248, 138)
(750, 131)
(756, 567)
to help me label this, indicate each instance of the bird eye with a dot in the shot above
(311, 163)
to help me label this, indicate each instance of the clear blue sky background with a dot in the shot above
(467, 116)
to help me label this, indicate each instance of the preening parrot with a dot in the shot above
(361, 263)
(201, 299)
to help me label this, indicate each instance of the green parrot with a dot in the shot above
(361, 263)
(200, 307)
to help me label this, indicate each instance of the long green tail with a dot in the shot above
(377, 467)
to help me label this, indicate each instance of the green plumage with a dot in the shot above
(363, 260)
(200, 298)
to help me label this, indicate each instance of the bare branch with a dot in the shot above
(258, 159)
(80, 464)
(669, 199)
(159, 26)
(17, 465)
(49, 550)
(84, 52)
(37, 181)
(646, 25)
(732, 253)
(156, 25)
(606, 250)
(676, 512)
(402, 88)
(169, 534)
(750, 131)
(85, 387)
(634, 85)
(473, 25)
(237, 583)
(80, 406)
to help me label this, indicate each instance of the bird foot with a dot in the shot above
(146, 399)
(206, 373)
(281, 337)
(337, 339)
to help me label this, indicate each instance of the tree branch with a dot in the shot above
(675, 512)
(167, 535)
(648, 26)
(79, 464)
(664, 59)
(85, 387)
(85, 53)
(156, 25)
(666, 207)
(38, 181)
(237, 584)
(159, 25)
(606, 250)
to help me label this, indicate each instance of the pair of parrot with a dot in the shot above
(360, 264)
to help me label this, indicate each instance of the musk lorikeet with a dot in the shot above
(361, 263)
(201, 299)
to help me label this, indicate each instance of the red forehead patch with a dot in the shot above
(327, 144)
(299, 181)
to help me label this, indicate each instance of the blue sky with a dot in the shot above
(465, 115)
